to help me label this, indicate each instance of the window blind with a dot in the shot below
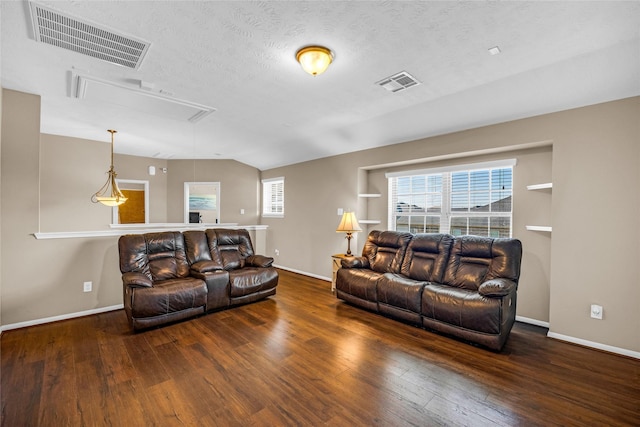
(477, 200)
(273, 197)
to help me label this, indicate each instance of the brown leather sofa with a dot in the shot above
(225, 260)
(170, 276)
(461, 286)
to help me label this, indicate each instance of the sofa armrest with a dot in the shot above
(497, 287)
(355, 262)
(136, 280)
(259, 261)
(205, 266)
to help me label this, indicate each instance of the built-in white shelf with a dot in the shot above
(543, 186)
(539, 228)
(369, 195)
(540, 186)
(369, 221)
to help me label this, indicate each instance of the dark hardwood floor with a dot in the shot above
(303, 357)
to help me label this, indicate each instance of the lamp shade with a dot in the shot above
(109, 194)
(314, 59)
(348, 224)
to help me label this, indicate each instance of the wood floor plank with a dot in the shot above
(303, 358)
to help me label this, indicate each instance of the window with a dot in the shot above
(466, 199)
(273, 197)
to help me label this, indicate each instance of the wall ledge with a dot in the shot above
(119, 230)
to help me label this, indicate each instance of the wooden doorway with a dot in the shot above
(136, 209)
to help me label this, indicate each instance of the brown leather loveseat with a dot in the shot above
(170, 276)
(462, 286)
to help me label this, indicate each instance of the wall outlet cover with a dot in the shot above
(596, 311)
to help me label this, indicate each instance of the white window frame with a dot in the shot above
(270, 209)
(446, 213)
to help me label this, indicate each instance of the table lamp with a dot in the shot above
(348, 224)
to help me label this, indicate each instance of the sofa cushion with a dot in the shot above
(385, 250)
(202, 253)
(135, 279)
(249, 280)
(169, 296)
(427, 256)
(475, 260)
(505, 263)
(401, 292)
(497, 288)
(259, 261)
(133, 254)
(361, 283)
(462, 308)
(205, 267)
(231, 258)
(167, 256)
(232, 246)
(469, 262)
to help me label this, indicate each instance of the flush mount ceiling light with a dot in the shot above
(314, 59)
(110, 194)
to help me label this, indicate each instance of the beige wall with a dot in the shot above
(596, 218)
(134, 167)
(42, 279)
(72, 169)
(594, 164)
(238, 188)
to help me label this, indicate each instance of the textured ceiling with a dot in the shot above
(239, 57)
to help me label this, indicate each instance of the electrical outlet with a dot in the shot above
(340, 211)
(596, 311)
(88, 286)
(241, 211)
(277, 252)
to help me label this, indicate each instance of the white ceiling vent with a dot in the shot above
(398, 82)
(94, 89)
(55, 28)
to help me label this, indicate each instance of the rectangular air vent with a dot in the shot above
(55, 28)
(398, 82)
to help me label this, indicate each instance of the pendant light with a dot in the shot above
(110, 194)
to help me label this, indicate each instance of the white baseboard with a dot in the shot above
(61, 317)
(596, 345)
(304, 273)
(532, 321)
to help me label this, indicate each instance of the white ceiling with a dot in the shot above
(239, 57)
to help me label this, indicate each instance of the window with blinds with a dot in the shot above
(460, 200)
(273, 197)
